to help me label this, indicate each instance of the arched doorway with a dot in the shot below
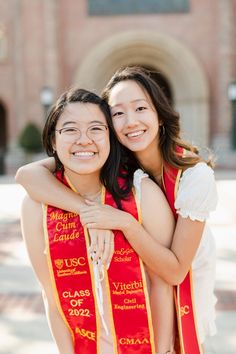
(176, 63)
(3, 137)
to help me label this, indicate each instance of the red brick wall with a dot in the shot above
(48, 39)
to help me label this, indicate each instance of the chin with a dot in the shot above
(138, 147)
(79, 170)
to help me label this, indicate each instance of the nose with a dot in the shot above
(83, 139)
(131, 120)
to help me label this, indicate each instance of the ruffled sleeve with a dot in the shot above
(197, 194)
(138, 176)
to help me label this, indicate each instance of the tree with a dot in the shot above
(30, 138)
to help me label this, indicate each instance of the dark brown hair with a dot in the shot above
(111, 169)
(169, 136)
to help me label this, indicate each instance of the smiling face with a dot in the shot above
(134, 116)
(82, 139)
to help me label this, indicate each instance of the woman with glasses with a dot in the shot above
(92, 308)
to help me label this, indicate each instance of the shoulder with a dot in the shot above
(153, 200)
(146, 189)
(149, 187)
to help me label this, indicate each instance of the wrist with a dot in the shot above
(79, 204)
(128, 224)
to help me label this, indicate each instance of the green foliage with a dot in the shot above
(30, 138)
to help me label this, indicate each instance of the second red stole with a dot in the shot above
(188, 337)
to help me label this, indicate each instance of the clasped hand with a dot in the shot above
(100, 220)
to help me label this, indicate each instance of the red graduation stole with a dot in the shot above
(74, 286)
(188, 337)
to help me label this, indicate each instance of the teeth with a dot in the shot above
(83, 153)
(140, 132)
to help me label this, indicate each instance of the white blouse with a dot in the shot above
(196, 198)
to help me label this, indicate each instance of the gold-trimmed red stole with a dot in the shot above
(128, 292)
(73, 281)
(71, 275)
(188, 336)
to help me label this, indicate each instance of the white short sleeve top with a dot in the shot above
(197, 194)
(196, 198)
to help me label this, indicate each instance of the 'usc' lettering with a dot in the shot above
(74, 262)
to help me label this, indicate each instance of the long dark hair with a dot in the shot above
(111, 169)
(169, 137)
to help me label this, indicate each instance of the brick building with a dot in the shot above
(60, 43)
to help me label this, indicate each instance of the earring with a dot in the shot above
(163, 130)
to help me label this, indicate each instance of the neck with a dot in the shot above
(87, 185)
(151, 160)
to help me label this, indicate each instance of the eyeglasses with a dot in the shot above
(94, 132)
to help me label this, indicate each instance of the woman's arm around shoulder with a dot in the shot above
(42, 186)
(174, 263)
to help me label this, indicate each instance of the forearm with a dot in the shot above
(163, 313)
(43, 187)
(161, 260)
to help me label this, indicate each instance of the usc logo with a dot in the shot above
(70, 262)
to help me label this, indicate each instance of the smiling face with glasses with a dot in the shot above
(82, 138)
(94, 132)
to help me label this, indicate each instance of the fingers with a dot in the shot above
(100, 243)
(106, 251)
(112, 249)
(101, 246)
(88, 216)
(96, 248)
(108, 248)
(93, 242)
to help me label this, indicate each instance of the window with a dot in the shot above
(129, 7)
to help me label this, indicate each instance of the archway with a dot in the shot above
(3, 137)
(166, 55)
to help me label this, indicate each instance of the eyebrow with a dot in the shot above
(133, 101)
(91, 122)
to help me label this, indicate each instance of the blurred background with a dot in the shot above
(47, 46)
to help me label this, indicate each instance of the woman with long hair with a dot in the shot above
(149, 130)
(92, 309)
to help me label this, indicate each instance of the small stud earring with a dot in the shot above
(163, 130)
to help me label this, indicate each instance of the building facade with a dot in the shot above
(61, 43)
